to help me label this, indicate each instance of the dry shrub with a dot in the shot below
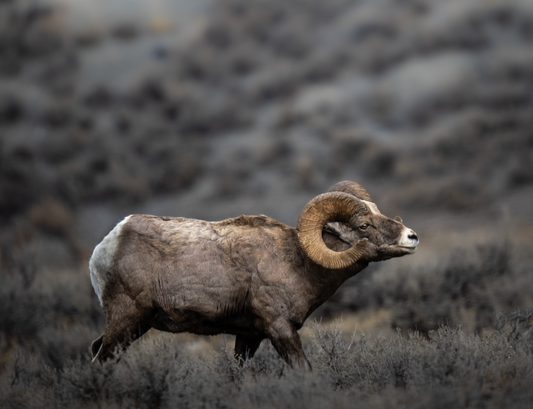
(49, 319)
(51, 216)
(469, 289)
(448, 369)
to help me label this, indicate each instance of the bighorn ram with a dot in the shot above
(250, 276)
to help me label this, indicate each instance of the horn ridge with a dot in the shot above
(352, 188)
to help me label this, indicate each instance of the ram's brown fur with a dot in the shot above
(248, 276)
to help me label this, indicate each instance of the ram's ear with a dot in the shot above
(342, 231)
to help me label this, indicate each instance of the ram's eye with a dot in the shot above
(363, 226)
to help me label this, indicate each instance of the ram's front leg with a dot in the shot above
(245, 347)
(287, 343)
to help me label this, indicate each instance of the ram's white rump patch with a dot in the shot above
(102, 258)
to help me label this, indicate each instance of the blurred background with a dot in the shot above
(212, 109)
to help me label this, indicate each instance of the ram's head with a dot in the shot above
(347, 212)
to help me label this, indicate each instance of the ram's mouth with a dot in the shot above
(409, 249)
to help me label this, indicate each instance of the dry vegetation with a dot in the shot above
(46, 320)
(427, 103)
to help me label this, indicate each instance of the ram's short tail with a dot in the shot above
(102, 258)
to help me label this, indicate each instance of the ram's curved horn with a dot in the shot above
(347, 186)
(325, 208)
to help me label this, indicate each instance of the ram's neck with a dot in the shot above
(325, 282)
(335, 243)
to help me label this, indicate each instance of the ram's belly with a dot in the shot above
(205, 309)
(204, 319)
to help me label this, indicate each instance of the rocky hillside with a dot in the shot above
(234, 107)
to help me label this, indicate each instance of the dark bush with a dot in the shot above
(448, 369)
(469, 290)
(48, 321)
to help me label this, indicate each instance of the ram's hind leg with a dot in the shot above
(96, 344)
(245, 348)
(117, 335)
(125, 323)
